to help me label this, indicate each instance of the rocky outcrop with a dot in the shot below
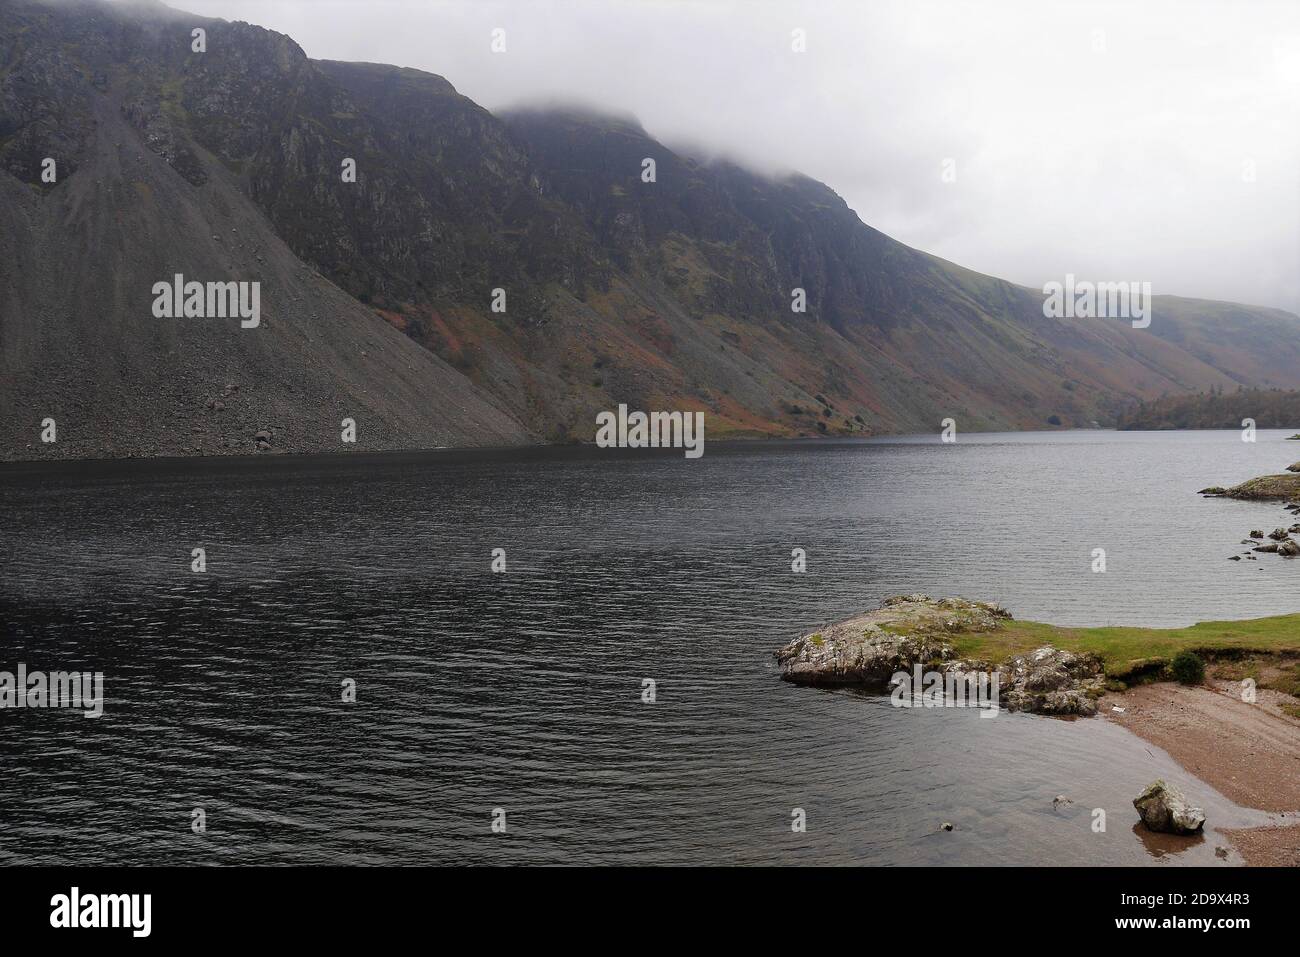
(1267, 487)
(1052, 681)
(915, 630)
(1163, 807)
(869, 649)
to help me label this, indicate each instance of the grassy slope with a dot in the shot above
(1127, 651)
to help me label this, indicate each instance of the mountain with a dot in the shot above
(379, 293)
(136, 202)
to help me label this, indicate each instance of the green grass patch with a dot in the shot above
(1129, 652)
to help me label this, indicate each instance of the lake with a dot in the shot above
(522, 690)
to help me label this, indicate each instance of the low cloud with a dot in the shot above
(1148, 142)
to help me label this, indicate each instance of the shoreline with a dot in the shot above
(1249, 753)
(1234, 726)
(19, 458)
(525, 450)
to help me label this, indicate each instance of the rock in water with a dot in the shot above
(1267, 487)
(1164, 808)
(915, 630)
(869, 649)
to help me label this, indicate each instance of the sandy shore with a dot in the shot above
(1248, 752)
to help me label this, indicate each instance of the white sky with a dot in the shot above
(1129, 162)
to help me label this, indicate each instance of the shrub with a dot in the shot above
(1188, 668)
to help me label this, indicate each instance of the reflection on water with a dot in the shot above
(1163, 845)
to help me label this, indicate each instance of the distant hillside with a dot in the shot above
(1270, 408)
(667, 294)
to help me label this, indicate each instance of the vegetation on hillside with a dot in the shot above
(1270, 408)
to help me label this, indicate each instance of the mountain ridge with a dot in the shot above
(672, 294)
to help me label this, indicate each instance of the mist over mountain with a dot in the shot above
(670, 292)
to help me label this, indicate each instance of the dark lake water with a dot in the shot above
(522, 690)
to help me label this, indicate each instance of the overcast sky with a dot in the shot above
(1147, 140)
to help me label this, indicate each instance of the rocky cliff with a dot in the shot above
(674, 293)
